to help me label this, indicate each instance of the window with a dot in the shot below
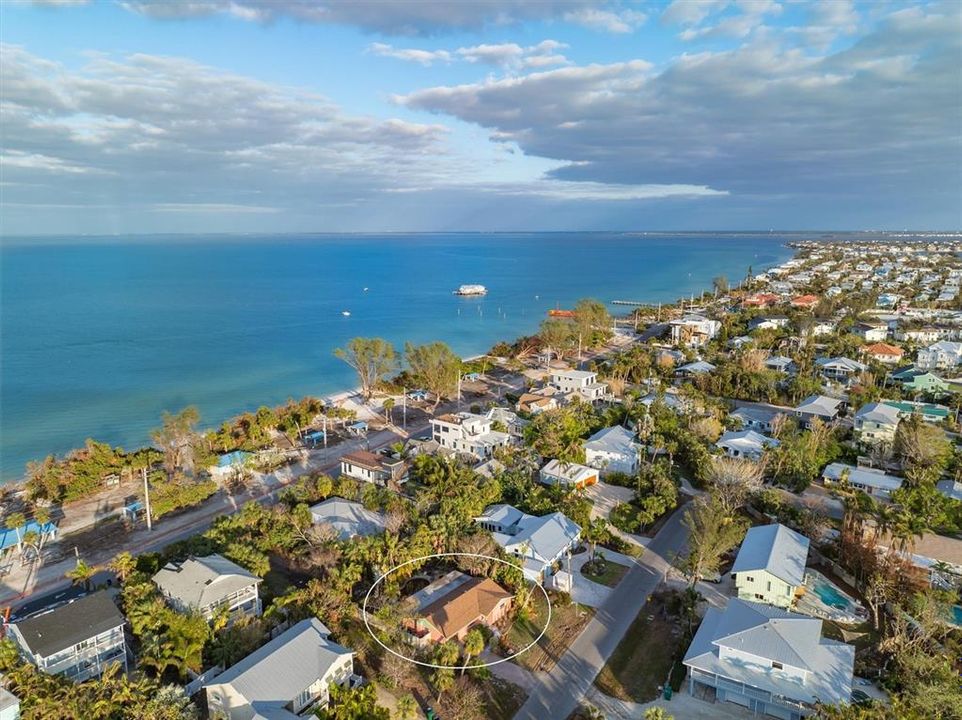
(750, 579)
(759, 596)
(776, 665)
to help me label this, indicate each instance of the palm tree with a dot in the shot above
(15, 521)
(82, 574)
(406, 708)
(473, 646)
(388, 407)
(123, 565)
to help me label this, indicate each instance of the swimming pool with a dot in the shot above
(957, 615)
(829, 594)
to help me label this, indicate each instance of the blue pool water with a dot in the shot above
(99, 336)
(957, 615)
(829, 594)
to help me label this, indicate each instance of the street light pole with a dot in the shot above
(147, 500)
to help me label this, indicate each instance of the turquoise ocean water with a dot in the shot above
(99, 336)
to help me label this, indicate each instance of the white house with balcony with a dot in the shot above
(840, 369)
(693, 330)
(78, 640)
(942, 355)
(768, 660)
(613, 449)
(579, 382)
(541, 542)
(285, 679)
(468, 433)
(208, 585)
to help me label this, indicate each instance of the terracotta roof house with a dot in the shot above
(805, 301)
(449, 607)
(883, 353)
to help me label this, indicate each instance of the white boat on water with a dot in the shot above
(346, 313)
(471, 290)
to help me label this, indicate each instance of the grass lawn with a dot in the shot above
(644, 657)
(566, 624)
(610, 576)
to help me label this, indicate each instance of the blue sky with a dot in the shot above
(257, 116)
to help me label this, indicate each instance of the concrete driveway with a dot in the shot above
(583, 590)
(605, 497)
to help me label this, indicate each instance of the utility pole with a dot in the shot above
(325, 431)
(459, 389)
(147, 499)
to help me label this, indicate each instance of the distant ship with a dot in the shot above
(471, 290)
(346, 313)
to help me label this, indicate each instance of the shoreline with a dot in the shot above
(16, 482)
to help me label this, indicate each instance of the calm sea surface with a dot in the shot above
(100, 336)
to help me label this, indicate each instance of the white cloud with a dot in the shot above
(424, 57)
(689, 12)
(612, 21)
(504, 55)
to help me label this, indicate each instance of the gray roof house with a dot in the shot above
(540, 541)
(770, 565)
(284, 678)
(769, 660)
(869, 480)
(348, 519)
(208, 584)
(818, 406)
(758, 417)
(77, 640)
(746, 444)
(613, 449)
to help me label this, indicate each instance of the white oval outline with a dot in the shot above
(527, 647)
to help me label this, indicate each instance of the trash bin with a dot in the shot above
(667, 693)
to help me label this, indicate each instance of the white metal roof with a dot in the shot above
(776, 549)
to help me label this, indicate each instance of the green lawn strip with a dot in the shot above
(641, 662)
(611, 576)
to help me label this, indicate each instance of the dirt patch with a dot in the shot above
(567, 622)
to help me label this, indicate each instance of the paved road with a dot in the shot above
(561, 690)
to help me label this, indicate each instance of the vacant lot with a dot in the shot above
(644, 657)
(567, 622)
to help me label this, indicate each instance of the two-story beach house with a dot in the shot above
(208, 585)
(876, 423)
(542, 541)
(942, 355)
(770, 566)
(579, 382)
(469, 434)
(78, 640)
(285, 678)
(613, 449)
(377, 468)
(840, 369)
(769, 660)
(693, 330)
